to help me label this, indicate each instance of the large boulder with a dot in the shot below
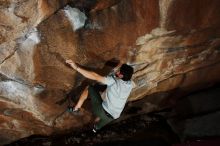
(172, 45)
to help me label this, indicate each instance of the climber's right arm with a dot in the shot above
(88, 74)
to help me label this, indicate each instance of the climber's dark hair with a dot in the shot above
(127, 72)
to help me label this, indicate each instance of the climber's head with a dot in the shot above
(125, 72)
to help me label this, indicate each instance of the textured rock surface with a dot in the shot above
(172, 44)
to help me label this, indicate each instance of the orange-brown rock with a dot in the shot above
(171, 44)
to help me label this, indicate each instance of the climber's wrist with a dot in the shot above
(76, 68)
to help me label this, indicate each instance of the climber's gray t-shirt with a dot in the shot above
(116, 95)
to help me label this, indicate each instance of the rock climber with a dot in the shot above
(109, 104)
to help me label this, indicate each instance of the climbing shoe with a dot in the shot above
(73, 110)
(94, 130)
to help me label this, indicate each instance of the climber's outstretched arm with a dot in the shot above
(88, 74)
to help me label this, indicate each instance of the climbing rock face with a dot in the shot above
(171, 44)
